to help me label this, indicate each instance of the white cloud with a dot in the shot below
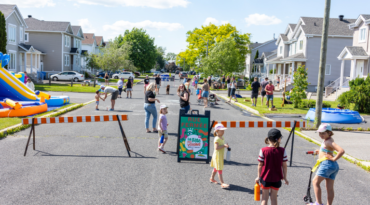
(210, 20)
(224, 22)
(261, 19)
(76, 5)
(123, 25)
(30, 3)
(159, 4)
(86, 26)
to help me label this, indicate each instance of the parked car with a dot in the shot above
(157, 72)
(177, 72)
(192, 72)
(137, 74)
(124, 75)
(183, 75)
(68, 75)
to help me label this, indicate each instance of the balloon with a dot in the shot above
(1, 55)
(5, 62)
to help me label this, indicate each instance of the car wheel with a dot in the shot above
(55, 79)
(116, 77)
(76, 80)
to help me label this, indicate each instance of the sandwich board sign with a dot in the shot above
(193, 136)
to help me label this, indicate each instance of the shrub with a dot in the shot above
(360, 129)
(359, 95)
(349, 128)
(312, 104)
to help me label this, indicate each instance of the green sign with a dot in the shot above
(193, 143)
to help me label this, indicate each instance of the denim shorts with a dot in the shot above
(270, 97)
(205, 94)
(328, 169)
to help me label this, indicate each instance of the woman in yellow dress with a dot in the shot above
(218, 155)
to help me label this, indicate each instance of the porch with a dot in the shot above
(31, 59)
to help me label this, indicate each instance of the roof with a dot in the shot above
(366, 16)
(75, 29)
(313, 25)
(292, 26)
(356, 51)
(275, 59)
(295, 56)
(284, 37)
(255, 45)
(89, 38)
(7, 9)
(28, 47)
(98, 40)
(41, 25)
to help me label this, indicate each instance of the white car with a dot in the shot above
(68, 75)
(124, 75)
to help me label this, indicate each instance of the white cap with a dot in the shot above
(164, 106)
(102, 86)
(220, 126)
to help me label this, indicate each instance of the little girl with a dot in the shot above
(162, 127)
(218, 155)
(272, 167)
(329, 168)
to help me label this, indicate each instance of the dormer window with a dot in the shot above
(301, 45)
(362, 37)
(281, 49)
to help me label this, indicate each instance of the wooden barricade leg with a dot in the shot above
(29, 138)
(291, 134)
(124, 137)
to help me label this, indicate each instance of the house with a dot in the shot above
(58, 41)
(99, 43)
(300, 45)
(22, 57)
(254, 67)
(89, 46)
(77, 51)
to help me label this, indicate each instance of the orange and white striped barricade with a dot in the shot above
(75, 119)
(266, 124)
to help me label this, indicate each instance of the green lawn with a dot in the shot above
(287, 109)
(10, 121)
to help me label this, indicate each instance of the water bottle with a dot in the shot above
(257, 192)
(228, 154)
(162, 138)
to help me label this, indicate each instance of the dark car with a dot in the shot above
(102, 74)
(193, 73)
(183, 75)
(177, 72)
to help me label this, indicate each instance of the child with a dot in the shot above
(218, 155)
(272, 167)
(97, 96)
(329, 167)
(30, 84)
(162, 127)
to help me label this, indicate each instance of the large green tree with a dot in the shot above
(143, 51)
(171, 56)
(3, 37)
(115, 57)
(224, 58)
(210, 35)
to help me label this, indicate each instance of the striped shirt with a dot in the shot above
(272, 159)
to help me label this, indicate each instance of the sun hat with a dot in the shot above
(324, 127)
(163, 106)
(274, 134)
(102, 86)
(220, 126)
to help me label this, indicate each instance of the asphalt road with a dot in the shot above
(87, 163)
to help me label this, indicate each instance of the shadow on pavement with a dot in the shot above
(45, 154)
(240, 188)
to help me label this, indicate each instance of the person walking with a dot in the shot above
(114, 93)
(195, 81)
(210, 81)
(187, 85)
(263, 93)
(270, 94)
(223, 82)
(150, 108)
(120, 86)
(184, 95)
(146, 83)
(106, 77)
(256, 90)
(205, 92)
(228, 88)
(233, 89)
(158, 83)
(129, 87)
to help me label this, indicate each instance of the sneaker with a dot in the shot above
(96, 109)
(126, 97)
(161, 149)
(252, 105)
(111, 109)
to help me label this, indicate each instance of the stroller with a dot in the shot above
(211, 100)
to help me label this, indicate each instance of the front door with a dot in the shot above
(359, 69)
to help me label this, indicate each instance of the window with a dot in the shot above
(67, 41)
(295, 47)
(301, 45)
(26, 37)
(21, 34)
(281, 49)
(362, 35)
(12, 33)
(66, 60)
(327, 69)
(11, 65)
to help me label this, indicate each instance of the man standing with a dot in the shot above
(158, 83)
(270, 94)
(256, 90)
(114, 93)
(263, 85)
(223, 82)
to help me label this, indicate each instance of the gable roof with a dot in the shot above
(89, 38)
(76, 29)
(98, 40)
(360, 19)
(41, 25)
(9, 9)
(257, 45)
(292, 26)
(356, 50)
(284, 37)
(313, 26)
(366, 16)
(353, 52)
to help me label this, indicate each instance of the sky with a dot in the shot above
(168, 20)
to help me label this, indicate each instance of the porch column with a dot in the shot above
(353, 69)
(38, 61)
(25, 62)
(293, 67)
(273, 71)
(341, 74)
(31, 61)
(283, 80)
(267, 70)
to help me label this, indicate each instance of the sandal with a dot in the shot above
(148, 131)
(213, 181)
(156, 131)
(225, 186)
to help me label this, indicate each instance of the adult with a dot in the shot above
(205, 92)
(129, 87)
(184, 95)
(270, 94)
(158, 83)
(114, 93)
(233, 89)
(210, 81)
(256, 90)
(25, 77)
(187, 85)
(150, 108)
(106, 77)
(146, 83)
(228, 88)
(223, 82)
(120, 86)
(195, 81)
(263, 93)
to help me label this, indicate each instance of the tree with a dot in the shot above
(115, 57)
(299, 86)
(171, 56)
(3, 37)
(161, 50)
(224, 58)
(257, 55)
(91, 61)
(359, 95)
(143, 51)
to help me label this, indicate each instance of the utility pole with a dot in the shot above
(323, 50)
